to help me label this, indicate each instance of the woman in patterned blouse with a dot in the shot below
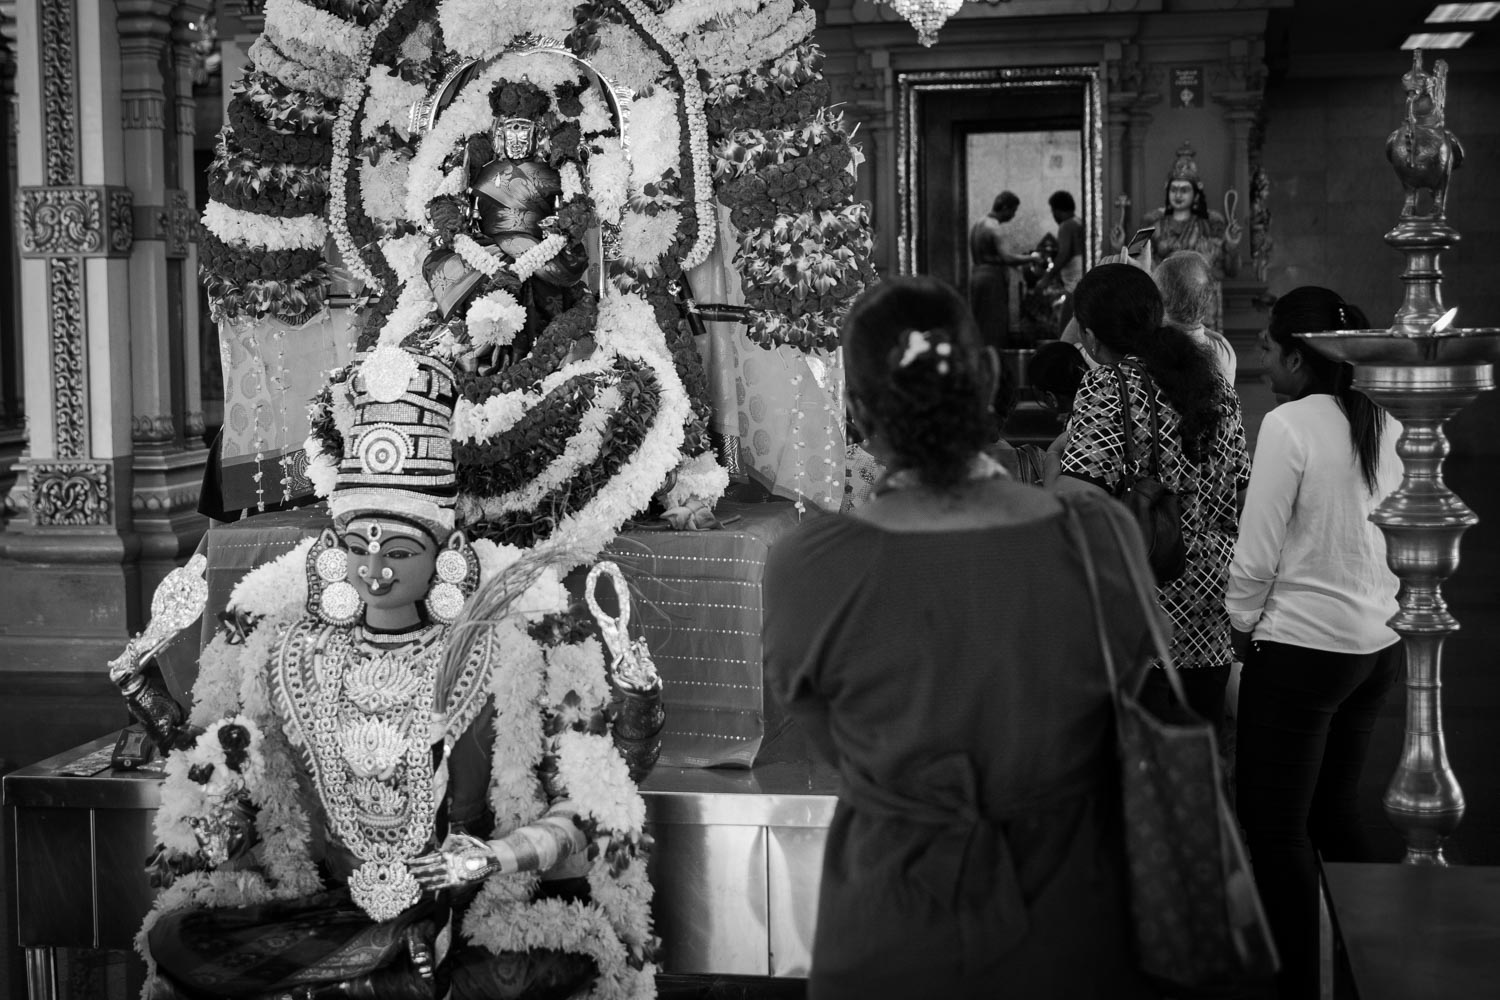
(1203, 458)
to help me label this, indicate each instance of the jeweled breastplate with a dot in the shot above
(361, 709)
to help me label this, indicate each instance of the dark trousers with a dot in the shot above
(1204, 687)
(1305, 717)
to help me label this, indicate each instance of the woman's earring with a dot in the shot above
(457, 579)
(330, 597)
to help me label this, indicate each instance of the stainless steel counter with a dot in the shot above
(736, 863)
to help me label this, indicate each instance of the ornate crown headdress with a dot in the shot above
(1185, 167)
(398, 455)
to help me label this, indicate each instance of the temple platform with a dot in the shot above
(736, 863)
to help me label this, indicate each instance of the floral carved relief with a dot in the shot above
(65, 316)
(69, 494)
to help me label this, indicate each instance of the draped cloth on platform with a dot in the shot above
(785, 407)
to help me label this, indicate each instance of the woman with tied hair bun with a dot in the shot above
(977, 845)
(1201, 443)
(1309, 595)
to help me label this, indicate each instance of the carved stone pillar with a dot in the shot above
(110, 489)
(1142, 197)
(157, 124)
(12, 395)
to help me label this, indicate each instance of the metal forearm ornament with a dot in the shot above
(636, 712)
(178, 602)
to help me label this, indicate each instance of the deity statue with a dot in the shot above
(510, 208)
(1185, 222)
(398, 777)
(1422, 150)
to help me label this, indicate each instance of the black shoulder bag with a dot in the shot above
(1157, 509)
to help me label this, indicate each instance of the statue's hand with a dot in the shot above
(462, 859)
(1233, 232)
(1117, 236)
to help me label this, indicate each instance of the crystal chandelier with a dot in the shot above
(927, 16)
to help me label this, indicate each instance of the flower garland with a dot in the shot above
(495, 318)
(479, 29)
(251, 229)
(627, 325)
(692, 102)
(582, 449)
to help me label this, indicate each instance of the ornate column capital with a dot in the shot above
(145, 28)
(69, 494)
(91, 220)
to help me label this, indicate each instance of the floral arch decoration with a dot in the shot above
(577, 404)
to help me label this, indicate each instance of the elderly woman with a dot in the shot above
(976, 848)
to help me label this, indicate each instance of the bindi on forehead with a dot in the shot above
(378, 534)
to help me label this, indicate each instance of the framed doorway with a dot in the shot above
(966, 135)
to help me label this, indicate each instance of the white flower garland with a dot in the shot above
(276, 588)
(292, 73)
(270, 232)
(625, 60)
(351, 93)
(577, 668)
(562, 925)
(545, 596)
(688, 16)
(495, 318)
(295, 19)
(571, 181)
(748, 44)
(321, 470)
(609, 180)
(655, 119)
(700, 477)
(516, 684)
(481, 422)
(389, 101)
(382, 188)
(583, 448)
(483, 28)
(628, 327)
(698, 152)
(405, 256)
(598, 783)
(645, 239)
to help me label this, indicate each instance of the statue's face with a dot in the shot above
(1180, 195)
(516, 137)
(391, 563)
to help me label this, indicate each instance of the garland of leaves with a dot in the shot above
(785, 167)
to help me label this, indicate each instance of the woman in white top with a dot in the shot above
(1309, 594)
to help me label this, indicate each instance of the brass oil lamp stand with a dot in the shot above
(1423, 373)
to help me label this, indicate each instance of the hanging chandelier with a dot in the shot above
(927, 16)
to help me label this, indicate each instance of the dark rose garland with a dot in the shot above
(546, 354)
(770, 109)
(286, 109)
(294, 301)
(510, 460)
(624, 432)
(320, 422)
(257, 137)
(242, 264)
(276, 189)
(361, 12)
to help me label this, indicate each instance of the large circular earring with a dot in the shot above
(456, 580)
(330, 597)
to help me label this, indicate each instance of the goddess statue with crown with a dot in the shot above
(400, 779)
(409, 770)
(1185, 222)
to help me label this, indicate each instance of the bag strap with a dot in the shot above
(1144, 590)
(1127, 429)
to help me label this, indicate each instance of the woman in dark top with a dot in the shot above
(977, 849)
(1203, 458)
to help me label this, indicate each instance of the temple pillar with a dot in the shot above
(12, 396)
(111, 476)
(1241, 95)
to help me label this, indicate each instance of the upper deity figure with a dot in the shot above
(1422, 150)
